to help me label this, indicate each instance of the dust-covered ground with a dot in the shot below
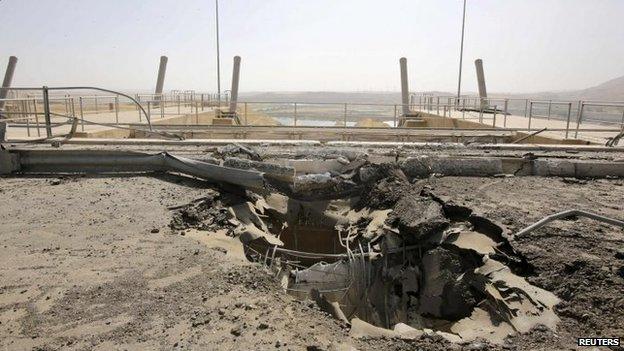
(90, 263)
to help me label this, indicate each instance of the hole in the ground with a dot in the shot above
(395, 256)
(416, 266)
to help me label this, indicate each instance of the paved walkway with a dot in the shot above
(23, 130)
(537, 123)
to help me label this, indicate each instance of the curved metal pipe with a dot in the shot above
(567, 214)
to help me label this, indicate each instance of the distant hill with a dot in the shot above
(370, 97)
(323, 96)
(612, 90)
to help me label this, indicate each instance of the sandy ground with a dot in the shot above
(90, 263)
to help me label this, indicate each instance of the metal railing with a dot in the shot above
(50, 107)
(56, 110)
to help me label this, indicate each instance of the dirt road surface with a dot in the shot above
(89, 263)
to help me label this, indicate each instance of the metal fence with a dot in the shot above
(40, 110)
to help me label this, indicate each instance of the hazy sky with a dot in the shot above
(335, 45)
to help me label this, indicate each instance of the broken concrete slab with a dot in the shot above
(445, 292)
(271, 170)
(417, 218)
(424, 166)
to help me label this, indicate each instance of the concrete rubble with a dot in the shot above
(391, 259)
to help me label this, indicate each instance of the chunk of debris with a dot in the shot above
(238, 150)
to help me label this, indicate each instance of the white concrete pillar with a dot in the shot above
(160, 82)
(234, 89)
(8, 78)
(404, 86)
(481, 82)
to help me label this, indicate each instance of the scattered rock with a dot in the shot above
(236, 331)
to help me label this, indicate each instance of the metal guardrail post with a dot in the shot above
(73, 108)
(178, 98)
(345, 115)
(568, 122)
(530, 114)
(622, 123)
(202, 101)
(438, 105)
(245, 115)
(66, 103)
(394, 119)
(505, 113)
(481, 114)
(295, 116)
(549, 109)
(579, 119)
(25, 114)
(464, 108)
(46, 111)
(494, 117)
(197, 113)
(149, 110)
(116, 109)
(526, 106)
(36, 117)
(81, 113)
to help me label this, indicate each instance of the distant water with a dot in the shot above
(288, 121)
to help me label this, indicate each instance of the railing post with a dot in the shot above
(66, 102)
(579, 119)
(245, 115)
(549, 109)
(526, 106)
(149, 110)
(295, 114)
(438, 105)
(73, 108)
(394, 119)
(494, 117)
(81, 113)
(464, 108)
(622, 123)
(568, 122)
(117, 109)
(96, 104)
(178, 98)
(196, 112)
(505, 114)
(25, 114)
(481, 114)
(36, 116)
(345, 115)
(530, 114)
(46, 111)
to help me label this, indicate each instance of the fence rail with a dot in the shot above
(51, 107)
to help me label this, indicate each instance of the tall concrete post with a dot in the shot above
(404, 86)
(235, 78)
(8, 78)
(162, 68)
(481, 81)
